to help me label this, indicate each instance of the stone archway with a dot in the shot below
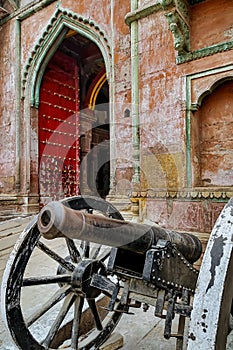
(66, 30)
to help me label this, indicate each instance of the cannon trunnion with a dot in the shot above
(107, 267)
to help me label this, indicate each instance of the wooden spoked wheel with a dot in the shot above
(47, 297)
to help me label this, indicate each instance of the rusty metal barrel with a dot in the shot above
(57, 220)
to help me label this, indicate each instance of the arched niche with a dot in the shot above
(211, 136)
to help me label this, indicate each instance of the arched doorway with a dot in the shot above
(73, 118)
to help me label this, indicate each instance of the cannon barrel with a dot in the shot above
(57, 220)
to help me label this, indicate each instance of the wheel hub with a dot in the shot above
(82, 276)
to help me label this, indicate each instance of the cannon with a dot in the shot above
(106, 268)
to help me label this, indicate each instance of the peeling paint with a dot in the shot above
(216, 255)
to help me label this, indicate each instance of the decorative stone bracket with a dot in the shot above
(178, 19)
(177, 13)
(178, 16)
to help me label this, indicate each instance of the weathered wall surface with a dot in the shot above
(170, 130)
(7, 108)
(211, 23)
(161, 111)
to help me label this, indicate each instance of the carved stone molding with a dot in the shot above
(178, 20)
(63, 18)
(206, 51)
(180, 31)
(204, 83)
(191, 194)
(178, 16)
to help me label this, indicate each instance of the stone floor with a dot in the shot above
(141, 331)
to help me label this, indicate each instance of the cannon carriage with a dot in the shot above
(106, 267)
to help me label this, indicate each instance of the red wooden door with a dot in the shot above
(59, 146)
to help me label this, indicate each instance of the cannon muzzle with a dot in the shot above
(57, 220)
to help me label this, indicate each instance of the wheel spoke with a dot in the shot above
(64, 304)
(35, 281)
(74, 253)
(104, 255)
(67, 265)
(58, 296)
(85, 246)
(78, 306)
(68, 302)
(92, 305)
(95, 251)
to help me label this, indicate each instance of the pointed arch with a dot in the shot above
(61, 24)
(56, 31)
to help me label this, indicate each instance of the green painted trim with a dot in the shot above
(180, 30)
(60, 23)
(205, 52)
(137, 14)
(43, 61)
(191, 107)
(188, 133)
(135, 96)
(17, 103)
(196, 105)
(211, 71)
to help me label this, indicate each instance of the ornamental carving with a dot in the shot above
(63, 18)
(178, 16)
(180, 32)
(186, 194)
(178, 20)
